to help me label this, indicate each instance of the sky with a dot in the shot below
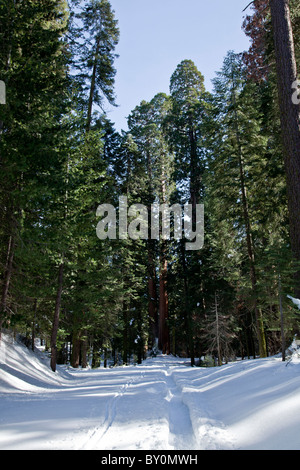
(156, 35)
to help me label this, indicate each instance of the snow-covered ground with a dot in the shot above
(162, 404)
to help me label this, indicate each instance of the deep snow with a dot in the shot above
(163, 404)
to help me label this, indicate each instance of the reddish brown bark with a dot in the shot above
(152, 297)
(164, 335)
(289, 116)
(76, 348)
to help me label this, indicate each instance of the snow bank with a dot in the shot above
(248, 405)
(23, 370)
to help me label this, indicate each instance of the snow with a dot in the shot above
(161, 405)
(295, 301)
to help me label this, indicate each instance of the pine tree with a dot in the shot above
(94, 57)
(95, 34)
(33, 66)
(240, 135)
(219, 332)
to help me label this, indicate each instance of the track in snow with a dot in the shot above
(154, 395)
(152, 406)
(148, 411)
(159, 405)
(181, 431)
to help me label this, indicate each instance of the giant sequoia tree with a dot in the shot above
(188, 104)
(286, 69)
(185, 129)
(146, 124)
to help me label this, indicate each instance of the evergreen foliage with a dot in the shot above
(113, 301)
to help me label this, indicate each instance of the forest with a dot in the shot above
(234, 151)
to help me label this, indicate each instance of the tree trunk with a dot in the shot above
(152, 296)
(96, 355)
(125, 333)
(188, 318)
(195, 178)
(33, 324)
(76, 349)
(152, 279)
(281, 318)
(218, 332)
(163, 327)
(290, 118)
(195, 186)
(164, 336)
(56, 318)
(84, 350)
(6, 280)
(92, 87)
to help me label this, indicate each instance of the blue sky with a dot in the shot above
(156, 35)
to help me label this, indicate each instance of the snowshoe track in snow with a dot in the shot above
(169, 423)
(181, 430)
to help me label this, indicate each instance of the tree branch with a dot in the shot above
(248, 5)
